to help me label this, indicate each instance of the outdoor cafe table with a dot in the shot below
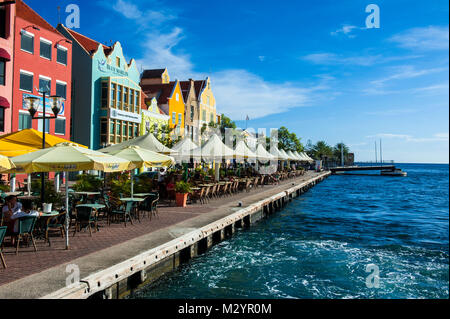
(88, 193)
(93, 206)
(143, 194)
(43, 219)
(26, 197)
(134, 200)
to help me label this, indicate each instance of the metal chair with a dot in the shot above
(2, 236)
(26, 228)
(85, 218)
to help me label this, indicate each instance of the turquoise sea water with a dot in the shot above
(320, 245)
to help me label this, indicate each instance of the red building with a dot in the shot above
(7, 14)
(42, 61)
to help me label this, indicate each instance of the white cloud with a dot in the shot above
(240, 93)
(262, 58)
(423, 39)
(144, 18)
(159, 53)
(438, 137)
(328, 58)
(407, 72)
(346, 30)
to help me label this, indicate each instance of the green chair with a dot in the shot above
(85, 217)
(124, 211)
(57, 223)
(26, 228)
(2, 236)
(150, 205)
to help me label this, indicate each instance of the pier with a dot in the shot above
(112, 267)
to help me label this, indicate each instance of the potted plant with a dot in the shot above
(182, 190)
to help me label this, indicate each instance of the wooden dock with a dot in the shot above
(363, 168)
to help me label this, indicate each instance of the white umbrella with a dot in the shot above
(183, 150)
(263, 155)
(215, 151)
(277, 153)
(243, 152)
(148, 142)
(291, 156)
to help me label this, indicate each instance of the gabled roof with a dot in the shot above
(153, 74)
(25, 12)
(162, 92)
(199, 86)
(185, 88)
(88, 44)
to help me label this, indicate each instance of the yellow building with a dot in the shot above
(207, 102)
(170, 100)
(153, 119)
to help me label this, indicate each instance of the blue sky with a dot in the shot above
(311, 66)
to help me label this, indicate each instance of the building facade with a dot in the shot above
(7, 14)
(42, 62)
(153, 119)
(170, 101)
(107, 95)
(192, 110)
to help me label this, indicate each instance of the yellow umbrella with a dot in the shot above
(5, 164)
(68, 157)
(27, 141)
(140, 157)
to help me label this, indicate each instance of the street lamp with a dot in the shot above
(33, 105)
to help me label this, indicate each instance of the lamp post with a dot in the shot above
(33, 104)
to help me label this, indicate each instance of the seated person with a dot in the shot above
(11, 206)
(27, 211)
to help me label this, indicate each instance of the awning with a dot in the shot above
(4, 103)
(4, 55)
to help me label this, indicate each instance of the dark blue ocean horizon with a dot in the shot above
(321, 244)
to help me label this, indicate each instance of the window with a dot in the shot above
(130, 130)
(208, 101)
(192, 113)
(61, 89)
(119, 128)
(118, 62)
(47, 125)
(24, 121)
(136, 130)
(3, 22)
(174, 118)
(61, 55)
(180, 119)
(125, 129)
(44, 84)
(177, 97)
(105, 94)
(212, 117)
(2, 119)
(27, 41)
(119, 96)
(26, 81)
(113, 95)
(2, 72)
(60, 126)
(46, 49)
(125, 98)
(111, 130)
(204, 116)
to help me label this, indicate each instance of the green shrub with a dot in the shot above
(88, 183)
(183, 188)
(50, 194)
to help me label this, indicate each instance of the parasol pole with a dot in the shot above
(66, 176)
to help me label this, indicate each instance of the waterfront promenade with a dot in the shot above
(35, 275)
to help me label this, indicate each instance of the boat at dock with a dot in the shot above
(397, 172)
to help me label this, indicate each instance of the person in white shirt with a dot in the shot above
(14, 210)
